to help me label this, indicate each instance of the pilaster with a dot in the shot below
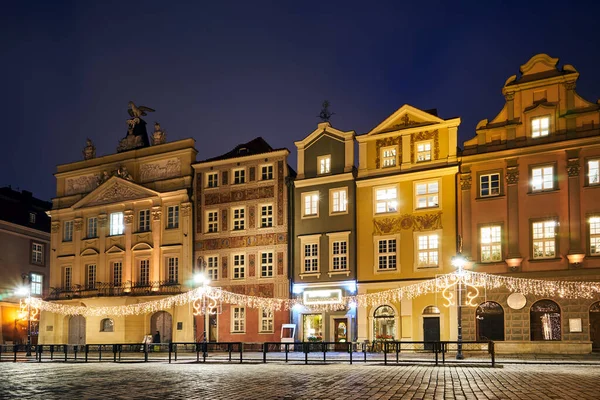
(155, 265)
(573, 171)
(512, 212)
(465, 229)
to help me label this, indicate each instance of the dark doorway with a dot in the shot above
(595, 326)
(431, 331)
(212, 328)
(163, 323)
(77, 330)
(341, 333)
(545, 321)
(490, 321)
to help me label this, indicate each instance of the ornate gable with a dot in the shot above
(115, 190)
(405, 117)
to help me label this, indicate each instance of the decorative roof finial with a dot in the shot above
(325, 114)
(89, 151)
(159, 136)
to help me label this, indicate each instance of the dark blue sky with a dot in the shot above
(226, 72)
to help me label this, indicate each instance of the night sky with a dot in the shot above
(225, 72)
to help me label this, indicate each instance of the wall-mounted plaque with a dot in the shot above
(516, 301)
(575, 325)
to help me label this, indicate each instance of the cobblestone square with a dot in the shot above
(160, 380)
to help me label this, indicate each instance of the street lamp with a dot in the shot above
(459, 262)
(202, 281)
(22, 292)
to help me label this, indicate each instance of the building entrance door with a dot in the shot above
(163, 323)
(341, 333)
(431, 331)
(595, 326)
(77, 330)
(212, 328)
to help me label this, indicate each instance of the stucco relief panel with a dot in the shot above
(385, 226)
(238, 195)
(160, 170)
(267, 239)
(81, 184)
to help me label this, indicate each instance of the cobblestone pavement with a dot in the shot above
(158, 380)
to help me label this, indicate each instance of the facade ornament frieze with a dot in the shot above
(55, 226)
(570, 85)
(465, 181)
(156, 213)
(128, 216)
(160, 170)
(102, 218)
(512, 175)
(509, 96)
(426, 135)
(390, 141)
(186, 208)
(573, 167)
(389, 225)
(117, 192)
(81, 184)
(78, 223)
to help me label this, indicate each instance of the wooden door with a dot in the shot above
(595, 330)
(340, 326)
(163, 323)
(77, 330)
(431, 331)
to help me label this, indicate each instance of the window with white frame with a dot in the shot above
(239, 176)
(542, 178)
(544, 239)
(117, 273)
(540, 127)
(90, 276)
(339, 255)
(491, 243)
(310, 204)
(594, 223)
(324, 164)
(67, 277)
(172, 217)
(266, 216)
(427, 194)
(387, 257)
(593, 172)
(266, 172)
(423, 151)
(144, 274)
(239, 266)
(489, 185)
(117, 227)
(238, 319)
(92, 227)
(144, 220)
(238, 218)
(37, 283)
(37, 253)
(266, 320)
(388, 157)
(428, 250)
(212, 221)
(338, 200)
(310, 257)
(386, 200)
(173, 269)
(212, 267)
(266, 264)
(212, 179)
(68, 231)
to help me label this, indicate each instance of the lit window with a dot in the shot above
(491, 243)
(238, 319)
(37, 253)
(310, 203)
(68, 231)
(540, 127)
(339, 200)
(239, 176)
(212, 221)
(212, 179)
(266, 172)
(542, 178)
(144, 273)
(544, 239)
(173, 269)
(117, 273)
(266, 320)
(386, 254)
(92, 227)
(90, 277)
(427, 251)
(427, 194)
(172, 217)
(310, 257)
(266, 265)
(212, 266)
(117, 226)
(423, 151)
(386, 200)
(595, 236)
(339, 253)
(266, 216)
(239, 266)
(489, 185)
(239, 219)
(388, 157)
(32, 218)
(324, 164)
(37, 283)
(144, 220)
(67, 276)
(107, 325)
(593, 172)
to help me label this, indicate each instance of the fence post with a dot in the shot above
(87, 350)
(444, 349)
(52, 352)
(492, 350)
(385, 351)
(99, 352)
(146, 346)
(264, 352)
(324, 344)
(287, 349)
(66, 349)
(351, 350)
(364, 347)
(114, 353)
(241, 351)
(436, 350)
(15, 351)
(204, 349)
(38, 352)
(170, 351)
(306, 348)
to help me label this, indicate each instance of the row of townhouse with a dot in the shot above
(519, 199)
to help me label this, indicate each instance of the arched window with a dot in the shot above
(545, 321)
(384, 323)
(107, 325)
(431, 310)
(490, 321)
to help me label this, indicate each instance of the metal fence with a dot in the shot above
(386, 352)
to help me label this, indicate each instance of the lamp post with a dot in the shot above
(203, 281)
(22, 292)
(458, 262)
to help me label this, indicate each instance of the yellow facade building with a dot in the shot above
(406, 222)
(121, 234)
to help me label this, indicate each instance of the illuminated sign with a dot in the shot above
(332, 296)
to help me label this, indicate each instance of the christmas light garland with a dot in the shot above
(440, 284)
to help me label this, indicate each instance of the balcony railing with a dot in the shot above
(110, 289)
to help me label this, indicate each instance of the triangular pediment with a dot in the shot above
(325, 129)
(90, 251)
(114, 249)
(406, 117)
(115, 190)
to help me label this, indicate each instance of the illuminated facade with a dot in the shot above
(406, 222)
(528, 202)
(122, 234)
(241, 238)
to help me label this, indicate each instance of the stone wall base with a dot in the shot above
(562, 347)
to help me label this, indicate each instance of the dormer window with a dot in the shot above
(388, 157)
(423, 151)
(540, 127)
(324, 164)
